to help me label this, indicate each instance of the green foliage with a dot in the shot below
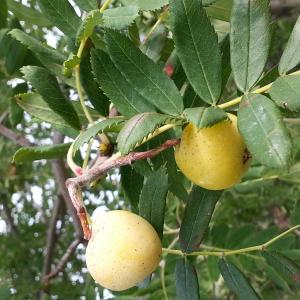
(290, 57)
(285, 92)
(146, 5)
(145, 76)
(153, 199)
(47, 86)
(108, 125)
(140, 127)
(197, 214)
(249, 41)
(61, 14)
(203, 117)
(271, 144)
(120, 17)
(236, 281)
(187, 287)
(27, 154)
(127, 99)
(197, 49)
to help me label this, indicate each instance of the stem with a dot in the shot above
(159, 21)
(219, 253)
(257, 91)
(87, 155)
(105, 5)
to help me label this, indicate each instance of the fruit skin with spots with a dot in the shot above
(123, 250)
(215, 157)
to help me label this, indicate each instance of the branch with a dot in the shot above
(14, 137)
(74, 184)
(60, 266)
(60, 174)
(223, 253)
(52, 236)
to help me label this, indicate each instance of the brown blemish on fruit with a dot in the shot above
(246, 156)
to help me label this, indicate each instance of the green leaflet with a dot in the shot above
(220, 10)
(284, 266)
(191, 99)
(47, 86)
(28, 154)
(72, 61)
(115, 85)
(153, 199)
(27, 14)
(140, 127)
(147, 77)
(3, 14)
(43, 52)
(132, 183)
(197, 215)
(13, 51)
(249, 41)
(204, 116)
(108, 125)
(86, 5)
(15, 111)
(236, 281)
(120, 17)
(62, 15)
(187, 286)
(285, 91)
(197, 48)
(146, 4)
(34, 104)
(91, 87)
(86, 28)
(291, 57)
(271, 144)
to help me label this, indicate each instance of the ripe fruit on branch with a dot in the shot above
(123, 250)
(215, 157)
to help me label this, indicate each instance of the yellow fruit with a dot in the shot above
(123, 250)
(215, 157)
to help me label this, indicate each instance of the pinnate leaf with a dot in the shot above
(120, 17)
(27, 14)
(62, 15)
(139, 127)
(186, 279)
(153, 199)
(95, 95)
(115, 85)
(35, 105)
(197, 48)
(249, 41)
(289, 270)
(108, 125)
(86, 28)
(27, 154)
(132, 183)
(271, 144)
(236, 281)
(204, 116)
(197, 215)
(146, 76)
(47, 86)
(43, 52)
(86, 5)
(291, 57)
(285, 92)
(3, 14)
(146, 4)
